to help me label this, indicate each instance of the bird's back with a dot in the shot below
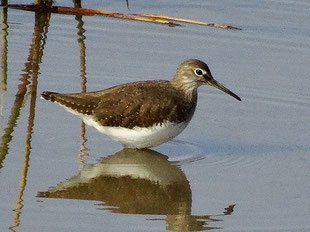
(136, 104)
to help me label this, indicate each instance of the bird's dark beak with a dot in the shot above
(216, 84)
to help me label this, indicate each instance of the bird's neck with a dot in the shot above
(188, 88)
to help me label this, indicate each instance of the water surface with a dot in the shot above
(239, 166)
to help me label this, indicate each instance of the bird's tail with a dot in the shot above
(48, 95)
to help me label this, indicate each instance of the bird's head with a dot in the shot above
(193, 73)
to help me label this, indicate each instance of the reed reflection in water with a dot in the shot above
(138, 182)
(27, 87)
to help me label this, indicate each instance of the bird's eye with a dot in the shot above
(198, 72)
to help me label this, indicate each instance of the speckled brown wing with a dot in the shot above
(142, 104)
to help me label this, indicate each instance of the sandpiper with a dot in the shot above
(142, 114)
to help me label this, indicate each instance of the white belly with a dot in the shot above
(138, 137)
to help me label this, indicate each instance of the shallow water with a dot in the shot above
(239, 166)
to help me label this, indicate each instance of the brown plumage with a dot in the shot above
(140, 104)
(146, 113)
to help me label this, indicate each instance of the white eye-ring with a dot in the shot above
(199, 72)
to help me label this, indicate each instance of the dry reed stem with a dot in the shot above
(89, 12)
(165, 17)
(153, 18)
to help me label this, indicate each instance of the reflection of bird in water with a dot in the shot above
(135, 182)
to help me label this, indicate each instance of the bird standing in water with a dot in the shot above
(142, 114)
